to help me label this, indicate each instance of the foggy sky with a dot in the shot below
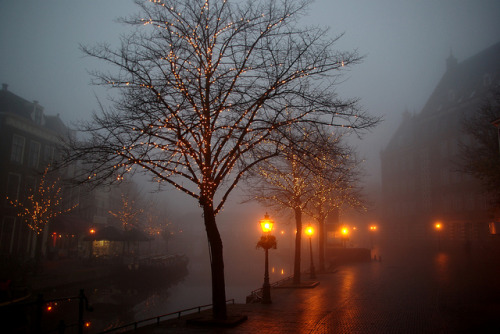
(405, 42)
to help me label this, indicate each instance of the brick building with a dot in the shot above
(28, 143)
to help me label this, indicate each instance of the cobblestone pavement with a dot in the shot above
(415, 290)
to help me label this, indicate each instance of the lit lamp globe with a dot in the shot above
(266, 224)
(345, 233)
(439, 227)
(310, 231)
(267, 241)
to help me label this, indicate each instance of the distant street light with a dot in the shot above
(373, 229)
(266, 241)
(345, 236)
(438, 226)
(310, 231)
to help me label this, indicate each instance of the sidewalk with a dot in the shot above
(433, 292)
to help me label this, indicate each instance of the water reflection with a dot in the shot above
(129, 296)
(442, 267)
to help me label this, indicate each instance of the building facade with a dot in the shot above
(28, 144)
(421, 182)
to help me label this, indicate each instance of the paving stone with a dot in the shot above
(415, 289)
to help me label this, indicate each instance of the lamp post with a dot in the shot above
(438, 226)
(373, 229)
(266, 241)
(310, 231)
(345, 233)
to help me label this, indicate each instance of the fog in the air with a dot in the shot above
(405, 44)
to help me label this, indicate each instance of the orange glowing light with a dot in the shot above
(87, 324)
(373, 228)
(345, 231)
(266, 224)
(309, 230)
(92, 231)
(438, 226)
(49, 308)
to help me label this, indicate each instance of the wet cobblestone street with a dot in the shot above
(413, 290)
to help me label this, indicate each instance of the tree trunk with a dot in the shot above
(216, 262)
(298, 237)
(38, 253)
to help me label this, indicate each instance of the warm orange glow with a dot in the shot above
(282, 271)
(92, 231)
(345, 231)
(266, 224)
(87, 324)
(438, 226)
(373, 228)
(49, 308)
(309, 231)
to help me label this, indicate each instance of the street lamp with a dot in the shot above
(266, 241)
(345, 233)
(310, 231)
(438, 226)
(373, 229)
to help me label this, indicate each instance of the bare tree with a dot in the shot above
(203, 86)
(480, 154)
(334, 185)
(280, 182)
(313, 174)
(44, 202)
(128, 213)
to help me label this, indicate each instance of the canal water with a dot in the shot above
(122, 299)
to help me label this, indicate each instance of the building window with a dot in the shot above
(13, 181)
(7, 228)
(37, 113)
(30, 186)
(34, 154)
(49, 154)
(17, 152)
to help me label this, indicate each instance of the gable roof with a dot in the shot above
(468, 80)
(464, 85)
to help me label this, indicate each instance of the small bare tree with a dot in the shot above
(203, 85)
(128, 214)
(43, 203)
(313, 174)
(281, 183)
(334, 185)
